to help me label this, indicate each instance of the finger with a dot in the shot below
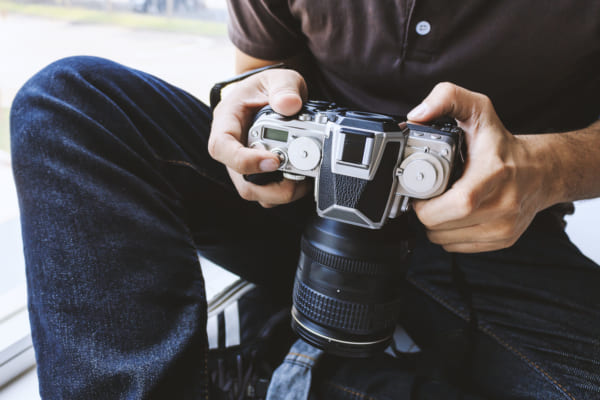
(459, 206)
(226, 142)
(226, 148)
(276, 193)
(483, 233)
(475, 247)
(279, 193)
(447, 99)
(233, 116)
(286, 91)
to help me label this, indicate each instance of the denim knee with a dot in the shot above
(53, 91)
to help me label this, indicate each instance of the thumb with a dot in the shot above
(286, 90)
(447, 99)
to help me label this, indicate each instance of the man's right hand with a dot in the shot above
(285, 91)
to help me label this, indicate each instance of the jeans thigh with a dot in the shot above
(117, 192)
(522, 322)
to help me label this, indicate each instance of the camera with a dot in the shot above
(367, 167)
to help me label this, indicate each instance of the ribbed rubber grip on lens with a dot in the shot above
(345, 264)
(343, 315)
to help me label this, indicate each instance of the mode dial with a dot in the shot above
(421, 175)
(304, 153)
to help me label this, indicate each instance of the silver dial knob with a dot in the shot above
(304, 153)
(421, 175)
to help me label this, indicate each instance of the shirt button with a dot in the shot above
(423, 28)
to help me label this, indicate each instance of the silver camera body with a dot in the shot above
(366, 166)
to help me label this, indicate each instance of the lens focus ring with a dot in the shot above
(351, 317)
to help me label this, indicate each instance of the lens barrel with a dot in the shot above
(347, 288)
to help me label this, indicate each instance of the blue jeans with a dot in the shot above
(118, 193)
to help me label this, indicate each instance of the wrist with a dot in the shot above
(541, 156)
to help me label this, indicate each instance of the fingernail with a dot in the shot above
(268, 165)
(418, 112)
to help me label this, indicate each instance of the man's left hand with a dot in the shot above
(503, 185)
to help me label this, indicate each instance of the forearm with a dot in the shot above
(245, 62)
(569, 163)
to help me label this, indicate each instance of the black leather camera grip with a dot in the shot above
(265, 178)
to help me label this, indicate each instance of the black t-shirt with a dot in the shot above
(539, 61)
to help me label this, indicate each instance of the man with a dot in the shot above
(117, 190)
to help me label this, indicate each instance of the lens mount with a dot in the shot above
(335, 343)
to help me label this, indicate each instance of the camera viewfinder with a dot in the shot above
(357, 148)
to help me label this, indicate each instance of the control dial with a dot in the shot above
(304, 153)
(421, 175)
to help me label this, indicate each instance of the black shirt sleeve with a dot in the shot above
(264, 29)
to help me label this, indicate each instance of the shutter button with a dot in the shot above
(423, 28)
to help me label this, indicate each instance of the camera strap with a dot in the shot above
(215, 92)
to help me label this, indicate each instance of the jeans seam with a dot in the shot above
(353, 392)
(494, 336)
(301, 355)
(181, 162)
(299, 363)
(188, 164)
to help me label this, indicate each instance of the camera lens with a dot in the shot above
(347, 289)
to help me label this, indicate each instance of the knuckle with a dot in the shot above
(286, 80)
(241, 164)
(447, 93)
(508, 231)
(445, 87)
(445, 90)
(288, 195)
(246, 192)
(485, 100)
(293, 74)
(512, 206)
(290, 74)
(505, 244)
(513, 240)
(500, 170)
(466, 204)
(420, 208)
(276, 76)
(505, 232)
(212, 147)
(425, 218)
(432, 236)
(485, 105)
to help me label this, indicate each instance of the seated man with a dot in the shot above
(122, 178)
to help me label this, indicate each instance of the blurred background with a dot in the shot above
(182, 41)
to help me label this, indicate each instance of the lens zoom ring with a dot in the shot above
(345, 264)
(351, 317)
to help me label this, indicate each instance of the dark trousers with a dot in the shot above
(118, 193)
